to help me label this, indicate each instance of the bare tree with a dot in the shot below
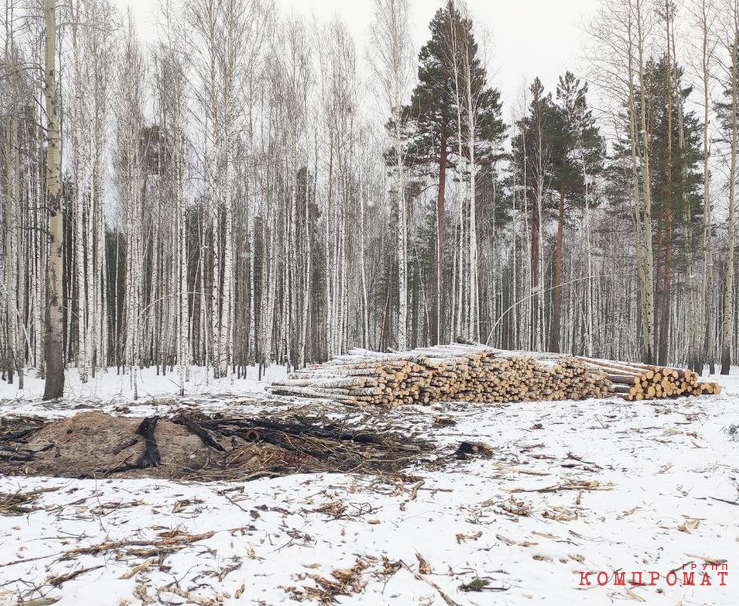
(261, 216)
(132, 175)
(54, 387)
(730, 41)
(704, 17)
(392, 64)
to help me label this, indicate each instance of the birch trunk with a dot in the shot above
(705, 304)
(54, 386)
(648, 281)
(727, 330)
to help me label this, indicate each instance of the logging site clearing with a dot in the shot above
(457, 475)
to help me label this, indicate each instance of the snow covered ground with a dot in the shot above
(109, 389)
(568, 488)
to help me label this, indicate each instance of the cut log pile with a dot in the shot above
(450, 373)
(476, 373)
(644, 382)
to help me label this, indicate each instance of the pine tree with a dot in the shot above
(577, 150)
(449, 65)
(675, 183)
(533, 153)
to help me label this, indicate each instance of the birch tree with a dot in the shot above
(132, 176)
(642, 25)
(172, 95)
(621, 32)
(704, 15)
(82, 169)
(12, 127)
(99, 47)
(226, 41)
(730, 41)
(54, 386)
(230, 199)
(392, 65)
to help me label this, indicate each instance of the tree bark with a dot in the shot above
(440, 227)
(648, 281)
(705, 316)
(664, 323)
(557, 303)
(728, 325)
(54, 386)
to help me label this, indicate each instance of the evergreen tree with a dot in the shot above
(433, 115)
(533, 152)
(673, 141)
(577, 153)
(676, 196)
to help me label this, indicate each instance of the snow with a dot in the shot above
(648, 480)
(110, 389)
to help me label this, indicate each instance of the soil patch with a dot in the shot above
(195, 447)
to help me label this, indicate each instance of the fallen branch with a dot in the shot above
(725, 501)
(61, 579)
(449, 601)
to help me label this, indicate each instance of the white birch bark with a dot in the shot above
(54, 387)
(727, 329)
(705, 13)
(392, 64)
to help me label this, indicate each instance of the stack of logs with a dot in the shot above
(644, 382)
(468, 373)
(475, 373)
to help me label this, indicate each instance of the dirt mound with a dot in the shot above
(97, 445)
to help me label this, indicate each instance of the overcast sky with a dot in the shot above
(528, 37)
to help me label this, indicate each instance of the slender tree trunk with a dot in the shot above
(54, 387)
(402, 240)
(589, 306)
(705, 316)
(307, 242)
(461, 250)
(557, 303)
(648, 284)
(437, 312)
(474, 311)
(664, 323)
(728, 324)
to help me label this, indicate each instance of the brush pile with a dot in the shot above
(644, 382)
(449, 373)
(200, 447)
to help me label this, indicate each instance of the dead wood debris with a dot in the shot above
(419, 577)
(518, 508)
(423, 566)
(467, 449)
(165, 542)
(199, 447)
(463, 538)
(18, 503)
(479, 585)
(59, 580)
(578, 485)
(345, 582)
